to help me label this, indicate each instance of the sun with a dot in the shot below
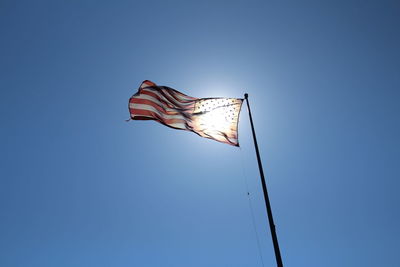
(216, 119)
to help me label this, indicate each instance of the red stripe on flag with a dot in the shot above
(178, 96)
(166, 98)
(153, 104)
(147, 83)
(143, 112)
(156, 96)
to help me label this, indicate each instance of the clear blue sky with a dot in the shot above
(80, 186)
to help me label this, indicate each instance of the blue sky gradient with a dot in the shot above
(80, 186)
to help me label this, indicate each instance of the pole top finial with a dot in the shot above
(246, 95)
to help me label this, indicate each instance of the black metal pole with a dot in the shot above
(266, 198)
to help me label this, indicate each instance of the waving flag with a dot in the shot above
(214, 118)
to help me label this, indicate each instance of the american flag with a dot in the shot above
(214, 118)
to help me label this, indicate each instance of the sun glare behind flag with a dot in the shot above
(214, 118)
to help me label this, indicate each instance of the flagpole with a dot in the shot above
(266, 198)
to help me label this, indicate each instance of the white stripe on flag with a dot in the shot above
(153, 109)
(156, 101)
(173, 101)
(180, 97)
